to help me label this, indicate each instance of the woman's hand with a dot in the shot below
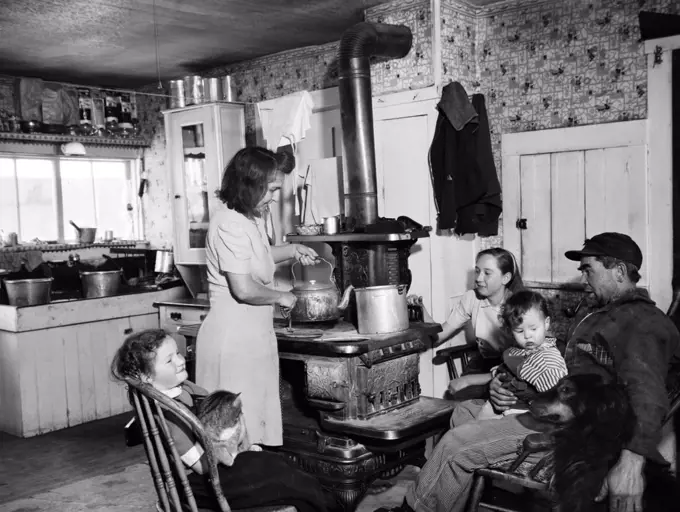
(500, 398)
(286, 300)
(305, 255)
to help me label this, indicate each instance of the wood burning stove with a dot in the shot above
(352, 409)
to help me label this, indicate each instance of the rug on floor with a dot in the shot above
(131, 490)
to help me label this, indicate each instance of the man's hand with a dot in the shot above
(625, 484)
(500, 398)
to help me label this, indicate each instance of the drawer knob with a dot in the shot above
(175, 316)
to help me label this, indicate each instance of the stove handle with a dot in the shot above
(326, 405)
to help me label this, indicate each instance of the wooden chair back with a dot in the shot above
(167, 469)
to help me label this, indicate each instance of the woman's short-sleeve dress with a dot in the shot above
(236, 346)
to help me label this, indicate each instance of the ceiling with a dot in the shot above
(111, 42)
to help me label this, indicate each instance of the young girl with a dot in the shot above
(256, 478)
(497, 277)
(535, 361)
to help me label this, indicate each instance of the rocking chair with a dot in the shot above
(167, 469)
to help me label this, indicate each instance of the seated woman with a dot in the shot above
(497, 277)
(256, 478)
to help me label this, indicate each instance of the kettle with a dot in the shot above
(318, 301)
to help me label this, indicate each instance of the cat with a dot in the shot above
(221, 414)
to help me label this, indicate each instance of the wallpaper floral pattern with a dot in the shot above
(540, 64)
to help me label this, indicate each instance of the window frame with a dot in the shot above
(131, 156)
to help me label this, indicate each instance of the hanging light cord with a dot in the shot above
(155, 37)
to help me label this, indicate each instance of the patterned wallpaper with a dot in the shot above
(268, 77)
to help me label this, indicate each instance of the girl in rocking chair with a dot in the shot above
(256, 478)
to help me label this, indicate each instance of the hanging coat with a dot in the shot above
(466, 187)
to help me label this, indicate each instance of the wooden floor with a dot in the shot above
(38, 464)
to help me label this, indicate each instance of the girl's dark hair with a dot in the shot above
(519, 303)
(247, 176)
(134, 358)
(506, 264)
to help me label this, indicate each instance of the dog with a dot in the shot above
(595, 421)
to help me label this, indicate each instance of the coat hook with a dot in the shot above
(658, 56)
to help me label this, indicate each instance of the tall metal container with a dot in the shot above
(212, 89)
(228, 88)
(177, 94)
(193, 90)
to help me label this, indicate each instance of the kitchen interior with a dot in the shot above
(111, 148)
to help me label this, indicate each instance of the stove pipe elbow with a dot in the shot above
(358, 44)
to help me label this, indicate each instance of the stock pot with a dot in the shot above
(382, 309)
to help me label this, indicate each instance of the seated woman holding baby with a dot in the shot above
(249, 476)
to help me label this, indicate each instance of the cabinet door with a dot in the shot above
(571, 184)
(193, 152)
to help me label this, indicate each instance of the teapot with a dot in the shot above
(318, 301)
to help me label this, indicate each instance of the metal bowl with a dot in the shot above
(100, 283)
(28, 292)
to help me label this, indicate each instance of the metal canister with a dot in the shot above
(228, 88)
(330, 225)
(212, 89)
(177, 94)
(193, 90)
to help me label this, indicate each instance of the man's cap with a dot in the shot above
(616, 245)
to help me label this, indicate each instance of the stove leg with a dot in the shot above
(349, 498)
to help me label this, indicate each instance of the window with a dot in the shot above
(40, 195)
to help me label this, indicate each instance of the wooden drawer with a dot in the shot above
(171, 316)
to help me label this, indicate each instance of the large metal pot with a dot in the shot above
(28, 292)
(318, 301)
(100, 283)
(382, 309)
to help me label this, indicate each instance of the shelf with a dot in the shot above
(47, 138)
(359, 237)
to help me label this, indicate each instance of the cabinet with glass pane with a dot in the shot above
(200, 142)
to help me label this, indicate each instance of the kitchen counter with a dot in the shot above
(69, 312)
(55, 359)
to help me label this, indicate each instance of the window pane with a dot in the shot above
(77, 194)
(112, 193)
(9, 212)
(37, 204)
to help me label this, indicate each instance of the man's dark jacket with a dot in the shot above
(466, 187)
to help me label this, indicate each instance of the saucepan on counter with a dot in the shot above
(85, 235)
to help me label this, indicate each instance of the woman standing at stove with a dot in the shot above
(496, 278)
(236, 347)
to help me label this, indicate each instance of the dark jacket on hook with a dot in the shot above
(466, 187)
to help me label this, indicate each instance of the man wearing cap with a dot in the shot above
(627, 337)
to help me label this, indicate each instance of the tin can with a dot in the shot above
(12, 239)
(228, 88)
(177, 94)
(330, 225)
(193, 90)
(212, 89)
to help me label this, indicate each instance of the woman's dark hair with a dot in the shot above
(506, 264)
(247, 176)
(519, 303)
(134, 359)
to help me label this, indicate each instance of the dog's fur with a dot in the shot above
(595, 421)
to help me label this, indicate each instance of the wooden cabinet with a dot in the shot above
(565, 185)
(55, 359)
(200, 142)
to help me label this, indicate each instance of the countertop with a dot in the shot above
(69, 312)
(188, 302)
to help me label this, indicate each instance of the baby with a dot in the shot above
(222, 417)
(535, 361)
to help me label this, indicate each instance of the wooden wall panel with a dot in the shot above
(535, 207)
(568, 215)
